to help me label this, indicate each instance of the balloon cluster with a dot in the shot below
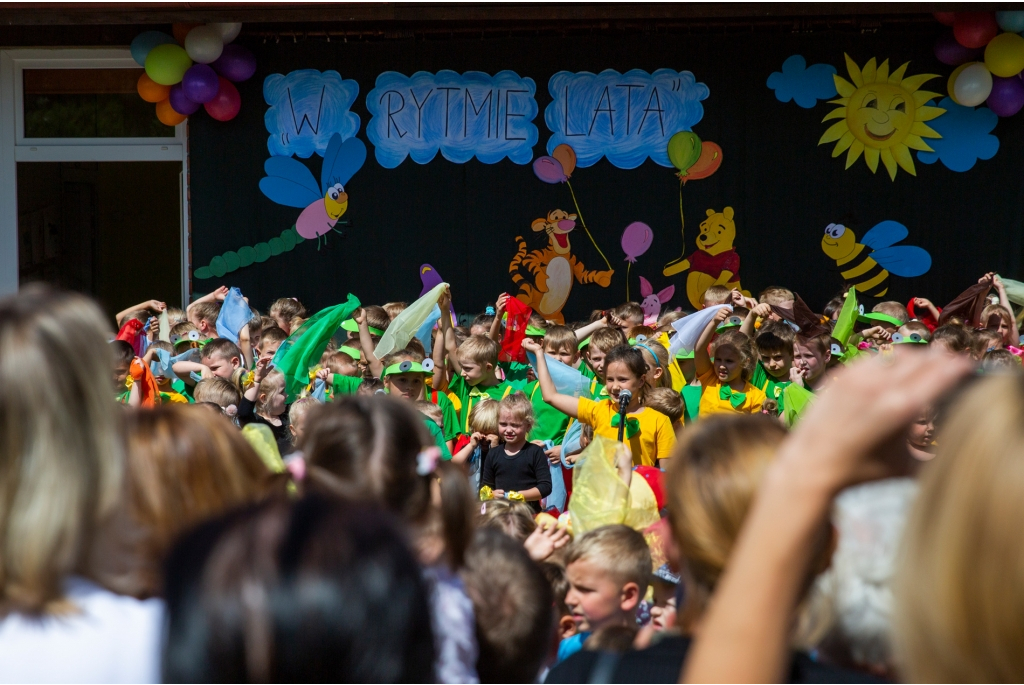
(558, 167)
(202, 73)
(694, 159)
(988, 63)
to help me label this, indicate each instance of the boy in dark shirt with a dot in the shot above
(517, 466)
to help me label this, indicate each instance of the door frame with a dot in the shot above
(15, 147)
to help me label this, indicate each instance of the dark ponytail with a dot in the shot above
(633, 358)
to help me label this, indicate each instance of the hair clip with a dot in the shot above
(489, 311)
(426, 461)
(231, 410)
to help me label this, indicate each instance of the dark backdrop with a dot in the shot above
(463, 218)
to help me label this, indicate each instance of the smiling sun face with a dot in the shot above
(881, 116)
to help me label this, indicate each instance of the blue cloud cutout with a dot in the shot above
(966, 136)
(307, 107)
(803, 84)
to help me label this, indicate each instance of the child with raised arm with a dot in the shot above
(725, 383)
(517, 465)
(648, 433)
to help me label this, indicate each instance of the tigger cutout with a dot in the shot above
(552, 269)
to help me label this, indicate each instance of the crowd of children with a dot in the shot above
(259, 496)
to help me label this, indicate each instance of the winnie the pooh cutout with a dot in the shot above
(715, 262)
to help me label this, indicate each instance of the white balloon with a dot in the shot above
(973, 85)
(203, 44)
(228, 30)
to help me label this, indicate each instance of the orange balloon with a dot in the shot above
(166, 114)
(566, 156)
(180, 30)
(708, 162)
(151, 91)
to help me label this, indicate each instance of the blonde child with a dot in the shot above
(627, 315)
(483, 421)
(648, 433)
(220, 392)
(223, 358)
(668, 402)
(203, 313)
(285, 310)
(431, 411)
(657, 361)
(297, 419)
(725, 382)
(997, 318)
(601, 342)
(717, 294)
(264, 402)
(517, 466)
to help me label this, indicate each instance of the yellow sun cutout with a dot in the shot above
(881, 115)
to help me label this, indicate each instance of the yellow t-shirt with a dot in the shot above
(711, 401)
(654, 441)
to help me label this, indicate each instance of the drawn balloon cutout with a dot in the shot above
(684, 150)
(636, 240)
(549, 170)
(566, 156)
(708, 162)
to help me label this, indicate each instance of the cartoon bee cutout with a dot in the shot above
(866, 265)
(290, 183)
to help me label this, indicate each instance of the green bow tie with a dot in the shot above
(632, 425)
(735, 398)
(475, 391)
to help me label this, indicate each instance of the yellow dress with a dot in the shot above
(652, 442)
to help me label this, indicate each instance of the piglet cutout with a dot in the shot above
(652, 302)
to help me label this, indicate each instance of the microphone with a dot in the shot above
(625, 397)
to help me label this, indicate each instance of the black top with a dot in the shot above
(526, 469)
(662, 662)
(247, 414)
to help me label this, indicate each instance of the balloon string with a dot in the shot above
(682, 222)
(580, 215)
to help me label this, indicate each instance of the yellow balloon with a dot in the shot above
(952, 80)
(1004, 55)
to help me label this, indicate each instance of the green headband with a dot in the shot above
(426, 367)
(351, 325)
(583, 343)
(911, 339)
(351, 351)
(533, 330)
(878, 317)
(684, 355)
(731, 322)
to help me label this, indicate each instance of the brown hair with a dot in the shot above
(561, 337)
(217, 390)
(61, 452)
(776, 295)
(222, 348)
(629, 310)
(273, 334)
(480, 349)
(287, 308)
(184, 467)
(368, 447)
(206, 311)
(893, 309)
(667, 401)
(393, 309)
(607, 338)
(713, 476)
(337, 359)
(512, 605)
(953, 337)
(659, 355)
(431, 411)
(774, 336)
(376, 317)
(740, 342)
(717, 294)
(514, 519)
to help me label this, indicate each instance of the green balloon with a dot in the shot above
(683, 150)
(166, 64)
(246, 256)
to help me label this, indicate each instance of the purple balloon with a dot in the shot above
(636, 240)
(180, 102)
(1007, 96)
(549, 170)
(949, 51)
(200, 83)
(235, 63)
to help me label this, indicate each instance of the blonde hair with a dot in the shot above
(286, 309)
(893, 309)
(716, 294)
(483, 418)
(714, 473)
(741, 343)
(996, 310)
(514, 519)
(518, 405)
(618, 551)
(207, 311)
(480, 349)
(393, 309)
(666, 401)
(61, 452)
(217, 390)
(657, 360)
(176, 315)
(957, 591)
(606, 339)
(561, 337)
(431, 411)
(776, 295)
(984, 340)
(271, 385)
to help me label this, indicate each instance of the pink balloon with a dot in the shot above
(636, 240)
(225, 104)
(549, 170)
(314, 222)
